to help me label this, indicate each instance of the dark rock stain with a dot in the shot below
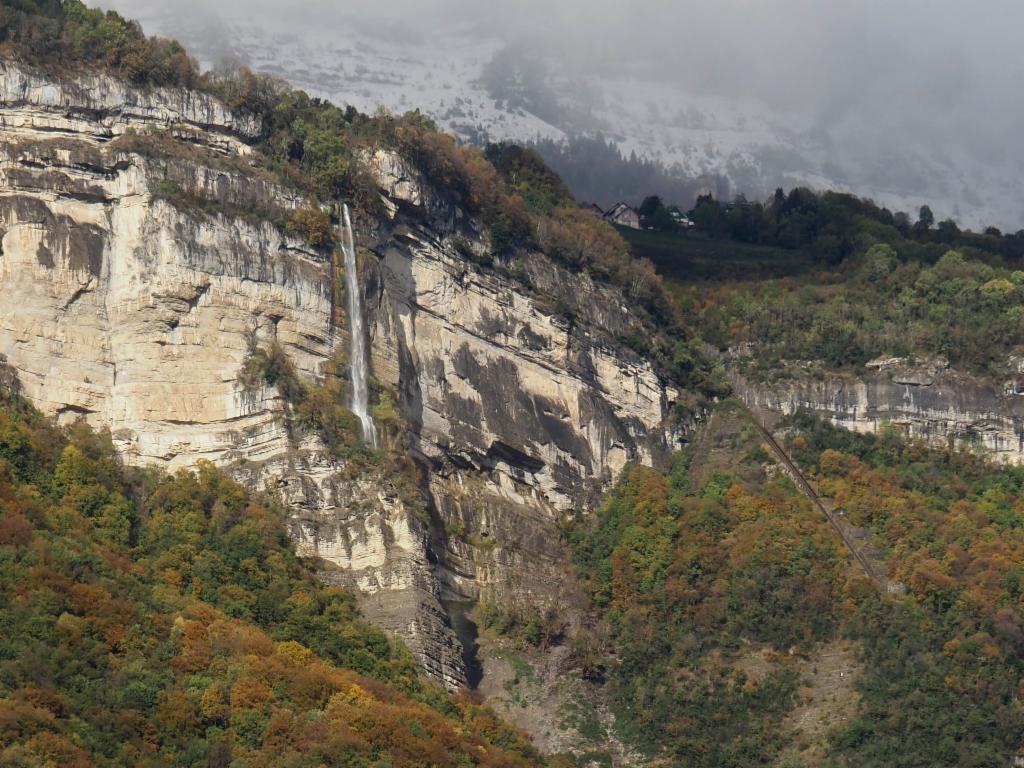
(81, 245)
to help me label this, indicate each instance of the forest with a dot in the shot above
(967, 311)
(699, 570)
(832, 279)
(596, 170)
(154, 620)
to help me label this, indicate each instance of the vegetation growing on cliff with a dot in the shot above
(521, 203)
(698, 569)
(319, 407)
(149, 620)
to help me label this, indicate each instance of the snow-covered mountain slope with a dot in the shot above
(474, 86)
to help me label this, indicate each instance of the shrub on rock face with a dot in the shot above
(322, 409)
(386, 413)
(313, 225)
(272, 367)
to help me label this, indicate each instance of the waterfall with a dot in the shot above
(357, 355)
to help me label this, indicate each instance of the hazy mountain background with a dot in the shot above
(908, 103)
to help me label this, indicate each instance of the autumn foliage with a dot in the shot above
(688, 578)
(696, 573)
(150, 621)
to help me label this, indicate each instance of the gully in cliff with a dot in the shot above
(358, 363)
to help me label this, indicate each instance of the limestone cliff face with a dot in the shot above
(122, 302)
(489, 377)
(925, 399)
(517, 414)
(127, 309)
(103, 107)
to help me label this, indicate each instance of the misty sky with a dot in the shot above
(943, 75)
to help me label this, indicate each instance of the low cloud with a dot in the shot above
(936, 77)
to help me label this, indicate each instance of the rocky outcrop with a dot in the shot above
(125, 302)
(925, 399)
(517, 414)
(128, 309)
(103, 107)
(490, 379)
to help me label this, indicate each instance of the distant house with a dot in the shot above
(596, 209)
(682, 220)
(624, 215)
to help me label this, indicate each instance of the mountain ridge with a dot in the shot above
(707, 142)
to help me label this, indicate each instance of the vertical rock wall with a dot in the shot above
(124, 303)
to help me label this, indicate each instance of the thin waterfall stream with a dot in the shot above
(358, 364)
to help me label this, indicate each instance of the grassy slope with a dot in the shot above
(692, 257)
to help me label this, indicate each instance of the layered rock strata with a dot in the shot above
(143, 261)
(923, 399)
